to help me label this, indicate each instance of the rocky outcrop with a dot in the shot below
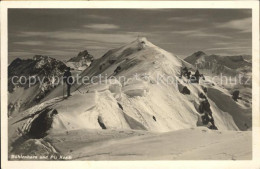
(81, 61)
(82, 55)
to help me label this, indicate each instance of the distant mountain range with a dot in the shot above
(216, 64)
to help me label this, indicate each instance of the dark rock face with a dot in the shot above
(42, 123)
(101, 123)
(202, 96)
(120, 106)
(204, 89)
(206, 113)
(154, 118)
(82, 55)
(235, 95)
(185, 90)
(118, 69)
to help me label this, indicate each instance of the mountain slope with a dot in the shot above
(41, 70)
(233, 73)
(140, 90)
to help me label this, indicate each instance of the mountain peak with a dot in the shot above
(82, 55)
(141, 42)
(142, 39)
(192, 59)
(198, 53)
(39, 57)
(137, 57)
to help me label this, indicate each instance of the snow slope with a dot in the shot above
(186, 144)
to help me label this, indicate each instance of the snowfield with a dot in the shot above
(136, 119)
(186, 144)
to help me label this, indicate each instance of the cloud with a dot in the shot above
(185, 19)
(243, 25)
(98, 17)
(29, 43)
(227, 48)
(208, 35)
(240, 42)
(76, 44)
(101, 26)
(54, 52)
(20, 53)
(187, 32)
(200, 33)
(64, 44)
(98, 37)
(166, 43)
(96, 47)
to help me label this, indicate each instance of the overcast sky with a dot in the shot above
(62, 33)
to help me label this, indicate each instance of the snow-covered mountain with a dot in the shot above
(233, 68)
(140, 93)
(39, 68)
(81, 61)
(215, 64)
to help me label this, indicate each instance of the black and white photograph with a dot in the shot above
(130, 84)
